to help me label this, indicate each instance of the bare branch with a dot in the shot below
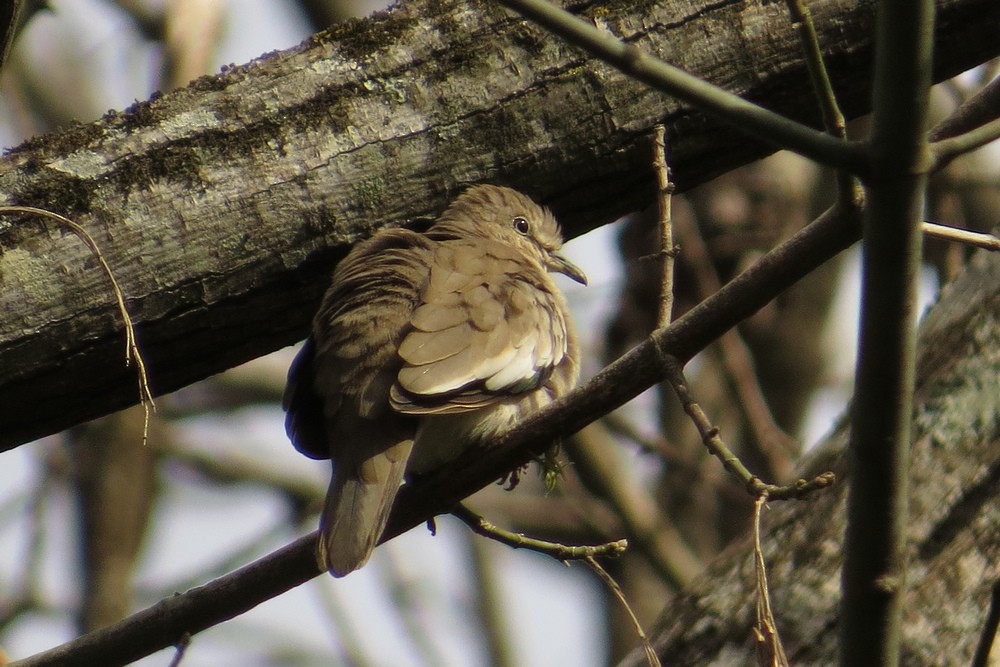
(964, 236)
(874, 573)
(973, 124)
(989, 632)
(162, 624)
(715, 445)
(946, 150)
(752, 119)
(242, 190)
(833, 117)
(665, 191)
(563, 552)
(653, 533)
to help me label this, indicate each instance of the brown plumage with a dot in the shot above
(425, 343)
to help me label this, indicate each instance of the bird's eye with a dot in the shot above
(521, 225)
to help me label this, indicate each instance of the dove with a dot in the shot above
(427, 343)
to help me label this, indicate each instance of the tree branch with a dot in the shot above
(757, 121)
(874, 574)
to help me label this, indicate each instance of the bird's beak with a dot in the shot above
(559, 264)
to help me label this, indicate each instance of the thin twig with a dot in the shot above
(750, 118)
(989, 71)
(989, 633)
(225, 563)
(974, 112)
(31, 578)
(710, 437)
(946, 150)
(489, 606)
(338, 617)
(770, 652)
(132, 353)
(406, 607)
(561, 552)
(616, 590)
(10, 23)
(954, 135)
(241, 467)
(618, 425)
(964, 236)
(775, 446)
(833, 118)
(667, 251)
(652, 532)
(24, 592)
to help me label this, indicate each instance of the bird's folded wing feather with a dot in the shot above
(489, 326)
(350, 361)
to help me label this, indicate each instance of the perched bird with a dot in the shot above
(425, 343)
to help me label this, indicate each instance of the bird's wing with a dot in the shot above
(349, 362)
(490, 326)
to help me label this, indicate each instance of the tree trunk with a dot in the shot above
(222, 206)
(954, 531)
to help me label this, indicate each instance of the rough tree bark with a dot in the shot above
(223, 205)
(953, 534)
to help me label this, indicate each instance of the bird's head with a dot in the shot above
(506, 215)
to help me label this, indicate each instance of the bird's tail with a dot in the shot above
(362, 490)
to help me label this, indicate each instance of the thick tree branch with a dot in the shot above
(757, 121)
(222, 206)
(875, 572)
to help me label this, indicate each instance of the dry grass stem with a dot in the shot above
(616, 590)
(770, 652)
(132, 353)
